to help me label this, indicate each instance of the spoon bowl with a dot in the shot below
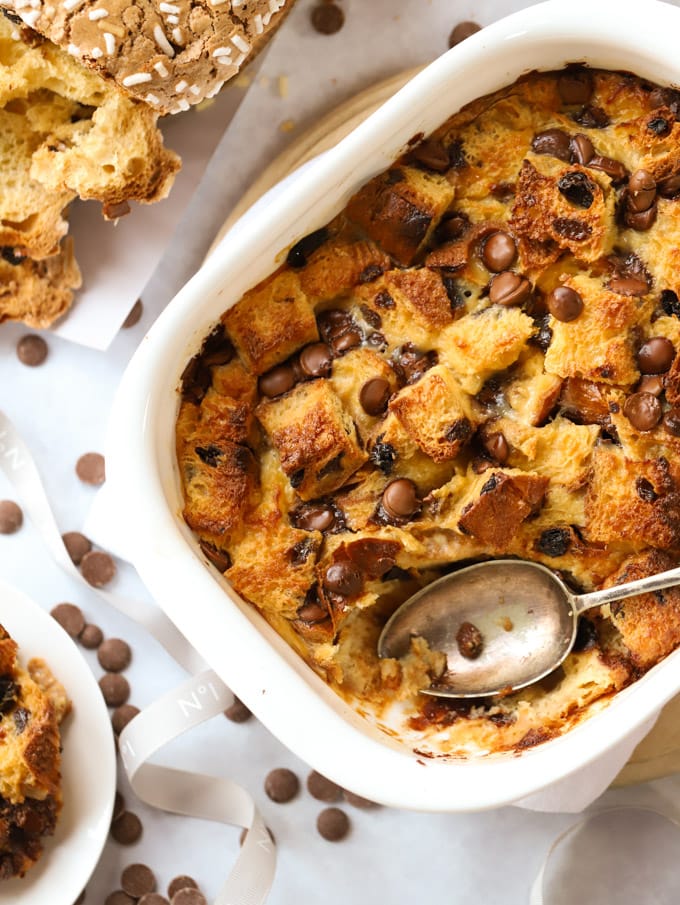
(524, 617)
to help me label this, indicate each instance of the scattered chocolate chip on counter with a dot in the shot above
(97, 568)
(134, 316)
(119, 897)
(32, 350)
(323, 789)
(181, 882)
(115, 688)
(77, 545)
(70, 618)
(91, 469)
(281, 785)
(469, 640)
(358, 802)
(11, 517)
(91, 637)
(126, 829)
(114, 655)
(137, 880)
(462, 31)
(188, 896)
(327, 18)
(333, 824)
(122, 715)
(237, 712)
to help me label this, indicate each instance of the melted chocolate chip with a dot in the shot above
(298, 254)
(643, 411)
(632, 286)
(564, 303)
(641, 190)
(497, 447)
(577, 189)
(640, 221)
(316, 360)
(219, 558)
(656, 355)
(343, 578)
(613, 168)
(591, 117)
(310, 517)
(400, 499)
(575, 86)
(431, 155)
(582, 149)
(671, 422)
(277, 381)
(553, 142)
(669, 187)
(509, 289)
(499, 252)
(374, 395)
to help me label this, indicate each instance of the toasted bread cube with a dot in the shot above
(271, 321)
(659, 246)
(542, 212)
(233, 380)
(277, 582)
(497, 502)
(640, 147)
(600, 344)
(226, 418)
(409, 303)
(394, 451)
(338, 265)
(400, 209)
(219, 479)
(560, 450)
(350, 373)
(315, 438)
(631, 503)
(532, 393)
(649, 623)
(479, 345)
(436, 414)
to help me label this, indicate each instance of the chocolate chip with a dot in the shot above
(554, 541)
(411, 363)
(327, 18)
(189, 896)
(374, 395)
(509, 288)
(91, 637)
(431, 154)
(640, 221)
(671, 422)
(462, 31)
(499, 252)
(669, 187)
(219, 558)
(237, 712)
(344, 579)
(313, 518)
(564, 304)
(118, 897)
(643, 411)
(298, 254)
(32, 350)
(469, 641)
(137, 880)
(575, 86)
(333, 824)
(122, 715)
(656, 355)
(126, 829)
(316, 360)
(114, 655)
(358, 802)
(631, 286)
(70, 618)
(115, 688)
(553, 142)
(134, 316)
(400, 499)
(591, 117)
(323, 789)
(181, 882)
(281, 785)
(497, 447)
(641, 190)
(582, 149)
(90, 468)
(347, 340)
(97, 568)
(77, 545)
(153, 898)
(277, 381)
(577, 189)
(613, 168)
(11, 517)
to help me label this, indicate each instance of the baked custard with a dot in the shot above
(475, 359)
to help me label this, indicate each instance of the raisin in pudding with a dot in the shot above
(32, 704)
(476, 358)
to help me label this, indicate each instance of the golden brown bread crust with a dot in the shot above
(39, 292)
(508, 416)
(31, 707)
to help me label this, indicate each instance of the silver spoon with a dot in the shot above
(526, 616)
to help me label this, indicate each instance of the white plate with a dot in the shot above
(88, 761)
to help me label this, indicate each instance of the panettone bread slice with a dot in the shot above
(38, 292)
(31, 705)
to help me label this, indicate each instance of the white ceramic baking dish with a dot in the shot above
(273, 681)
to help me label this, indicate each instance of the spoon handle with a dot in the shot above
(582, 602)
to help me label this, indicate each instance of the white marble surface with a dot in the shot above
(61, 409)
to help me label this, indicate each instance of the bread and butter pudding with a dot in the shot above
(476, 358)
(32, 705)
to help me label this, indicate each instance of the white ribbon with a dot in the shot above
(195, 701)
